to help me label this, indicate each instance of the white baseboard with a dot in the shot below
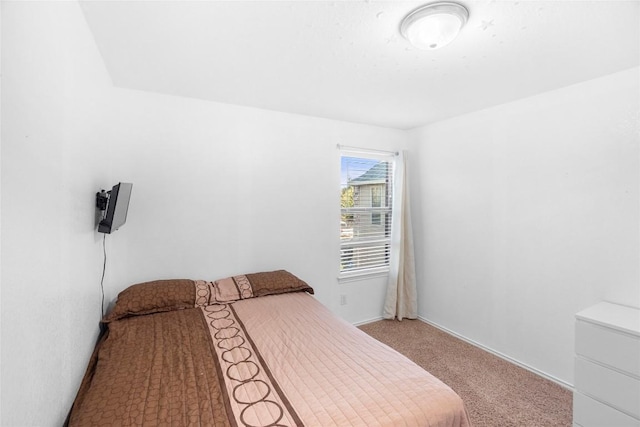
(364, 322)
(500, 355)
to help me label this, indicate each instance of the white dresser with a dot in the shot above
(607, 368)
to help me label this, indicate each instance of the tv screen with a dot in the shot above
(117, 208)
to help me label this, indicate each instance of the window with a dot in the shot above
(376, 202)
(365, 204)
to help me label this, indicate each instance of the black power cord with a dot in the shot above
(104, 269)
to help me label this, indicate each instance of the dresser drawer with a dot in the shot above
(607, 346)
(588, 412)
(606, 385)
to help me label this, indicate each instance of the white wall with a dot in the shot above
(221, 190)
(218, 190)
(0, 212)
(52, 83)
(527, 213)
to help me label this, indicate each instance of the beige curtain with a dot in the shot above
(402, 300)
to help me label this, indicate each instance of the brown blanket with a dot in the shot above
(274, 360)
(158, 369)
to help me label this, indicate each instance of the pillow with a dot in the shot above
(177, 294)
(246, 286)
(153, 297)
(276, 282)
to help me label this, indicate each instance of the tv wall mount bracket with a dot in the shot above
(102, 199)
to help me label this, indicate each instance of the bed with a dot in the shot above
(251, 350)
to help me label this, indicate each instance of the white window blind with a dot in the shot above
(366, 209)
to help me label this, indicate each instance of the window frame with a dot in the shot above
(385, 212)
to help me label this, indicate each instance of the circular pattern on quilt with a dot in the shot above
(244, 286)
(265, 407)
(255, 388)
(250, 392)
(236, 353)
(203, 293)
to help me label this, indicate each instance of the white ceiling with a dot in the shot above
(346, 60)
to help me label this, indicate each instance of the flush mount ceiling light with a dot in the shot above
(434, 25)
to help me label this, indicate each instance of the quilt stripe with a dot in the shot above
(254, 396)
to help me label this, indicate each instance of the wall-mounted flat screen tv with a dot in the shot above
(117, 208)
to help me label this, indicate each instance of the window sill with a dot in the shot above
(363, 275)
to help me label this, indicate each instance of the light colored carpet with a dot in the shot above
(496, 393)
